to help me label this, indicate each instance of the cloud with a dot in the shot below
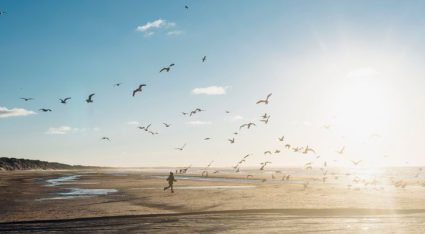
(133, 123)
(236, 118)
(198, 122)
(157, 24)
(14, 112)
(175, 33)
(211, 90)
(60, 130)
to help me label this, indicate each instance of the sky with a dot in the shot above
(341, 73)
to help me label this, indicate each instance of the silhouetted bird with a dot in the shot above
(231, 140)
(139, 89)
(117, 84)
(90, 98)
(265, 101)
(27, 99)
(63, 101)
(204, 58)
(106, 138)
(167, 125)
(181, 148)
(45, 110)
(247, 125)
(167, 69)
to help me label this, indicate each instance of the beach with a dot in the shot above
(134, 200)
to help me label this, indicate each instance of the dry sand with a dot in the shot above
(140, 205)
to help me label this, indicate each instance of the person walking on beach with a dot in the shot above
(170, 180)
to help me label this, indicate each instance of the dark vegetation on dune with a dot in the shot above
(12, 164)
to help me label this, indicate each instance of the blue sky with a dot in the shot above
(355, 65)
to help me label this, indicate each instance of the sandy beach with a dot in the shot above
(134, 201)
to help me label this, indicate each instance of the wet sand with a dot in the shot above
(136, 203)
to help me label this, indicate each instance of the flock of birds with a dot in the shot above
(325, 175)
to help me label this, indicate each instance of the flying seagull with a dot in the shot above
(204, 58)
(106, 138)
(63, 101)
(356, 162)
(186, 7)
(181, 148)
(248, 125)
(281, 138)
(265, 101)
(139, 89)
(27, 99)
(117, 84)
(341, 151)
(207, 138)
(3, 12)
(167, 69)
(45, 110)
(263, 164)
(167, 125)
(145, 128)
(90, 98)
(231, 140)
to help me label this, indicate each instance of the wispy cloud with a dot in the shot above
(211, 90)
(133, 123)
(60, 130)
(148, 28)
(14, 112)
(236, 118)
(198, 123)
(175, 33)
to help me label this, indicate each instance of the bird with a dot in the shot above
(264, 116)
(308, 149)
(288, 146)
(281, 138)
(267, 152)
(184, 113)
(153, 133)
(27, 99)
(356, 162)
(235, 133)
(106, 138)
(167, 69)
(186, 7)
(248, 125)
(265, 101)
(207, 138)
(263, 164)
(204, 58)
(3, 12)
(341, 151)
(63, 101)
(117, 84)
(231, 140)
(277, 151)
(90, 98)
(266, 121)
(246, 156)
(167, 125)
(145, 128)
(227, 112)
(45, 110)
(181, 148)
(139, 89)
